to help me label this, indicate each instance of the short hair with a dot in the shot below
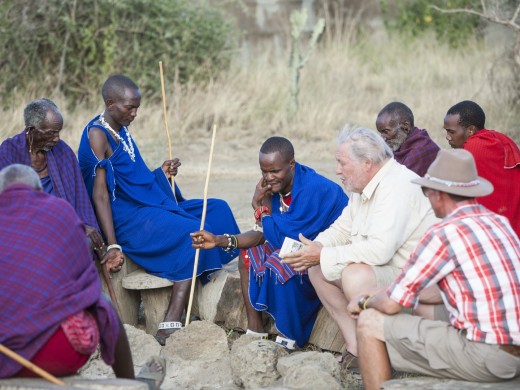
(399, 110)
(35, 113)
(19, 174)
(115, 85)
(365, 144)
(470, 113)
(278, 144)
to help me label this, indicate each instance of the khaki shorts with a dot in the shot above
(385, 274)
(436, 348)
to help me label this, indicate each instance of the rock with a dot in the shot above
(426, 383)
(254, 363)
(72, 383)
(325, 362)
(310, 377)
(198, 358)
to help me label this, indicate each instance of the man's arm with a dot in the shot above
(379, 301)
(101, 200)
(207, 240)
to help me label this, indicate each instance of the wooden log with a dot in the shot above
(155, 294)
(326, 334)
(128, 299)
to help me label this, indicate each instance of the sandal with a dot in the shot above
(287, 343)
(349, 360)
(153, 372)
(161, 339)
(262, 336)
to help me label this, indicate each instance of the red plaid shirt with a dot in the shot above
(474, 257)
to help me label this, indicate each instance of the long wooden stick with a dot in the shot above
(31, 366)
(165, 115)
(203, 219)
(110, 286)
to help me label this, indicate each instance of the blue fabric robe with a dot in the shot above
(151, 224)
(288, 296)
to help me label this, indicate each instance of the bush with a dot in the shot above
(413, 18)
(72, 46)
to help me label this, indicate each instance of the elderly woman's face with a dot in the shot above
(45, 137)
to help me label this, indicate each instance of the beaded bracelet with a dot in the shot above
(232, 242)
(259, 211)
(114, 246)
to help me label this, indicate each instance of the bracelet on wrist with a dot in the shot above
(259, 211)
(232, 242)
(114, 246)
(363, 301)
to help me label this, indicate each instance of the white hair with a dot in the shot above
(364, 144)
(19, 174)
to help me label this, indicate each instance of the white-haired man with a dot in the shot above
(367, 246)
(473, 256)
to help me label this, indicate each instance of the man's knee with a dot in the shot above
(371, 324)
(357, 278)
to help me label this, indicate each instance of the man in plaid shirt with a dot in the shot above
(473, 256)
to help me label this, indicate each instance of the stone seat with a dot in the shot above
(72, 383)
(155, 294)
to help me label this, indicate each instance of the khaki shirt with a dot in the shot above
(380, 226)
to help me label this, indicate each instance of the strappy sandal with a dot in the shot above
(167, 326)
(287, 343)
(153, 372)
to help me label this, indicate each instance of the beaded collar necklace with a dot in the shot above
(126, 147)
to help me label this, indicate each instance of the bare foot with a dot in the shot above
(153, 372)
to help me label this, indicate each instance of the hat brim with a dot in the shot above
(482, 189)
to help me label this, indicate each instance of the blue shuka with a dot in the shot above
(151, 223)
(285, 294)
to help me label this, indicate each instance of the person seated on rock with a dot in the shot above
(40, 147)
(412, 146)
(137, 209)
(473, 256)
(367, 246)
(53, 312)
(289, 199)
(497, 157)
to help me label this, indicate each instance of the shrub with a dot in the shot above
(413, 18)
(72, 46)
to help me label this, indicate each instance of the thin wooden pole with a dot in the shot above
(203, 219)
(165, 115)
(31, 366)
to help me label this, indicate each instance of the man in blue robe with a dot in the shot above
(138, 212)
(289, 199)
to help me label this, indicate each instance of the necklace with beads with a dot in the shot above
(283, 206)
(126, 147)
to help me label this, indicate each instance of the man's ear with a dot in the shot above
(405, 126)
(472, 129)
(292, 163)
(109, 103)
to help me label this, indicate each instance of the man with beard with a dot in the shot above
(412, 146)
(497, 157)
(369, 243)
(289, 199)
(39, 146)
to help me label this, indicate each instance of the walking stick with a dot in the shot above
(204, 206)
(31, 366)
(108, 281)
(172, 178)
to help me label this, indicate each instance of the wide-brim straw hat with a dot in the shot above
(454, 171)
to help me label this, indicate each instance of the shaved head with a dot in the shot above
(279, 144)
(115, 86)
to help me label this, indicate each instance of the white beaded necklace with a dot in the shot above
(283, 206)
(126, 147)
